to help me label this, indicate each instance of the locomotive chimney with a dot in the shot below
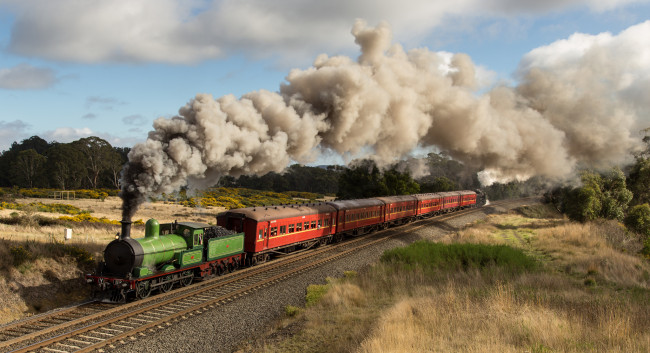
(126, 230)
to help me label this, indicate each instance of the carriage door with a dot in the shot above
(263, 234)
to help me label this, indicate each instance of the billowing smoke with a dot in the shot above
(389, 102)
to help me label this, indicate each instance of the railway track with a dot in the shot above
(91, 326)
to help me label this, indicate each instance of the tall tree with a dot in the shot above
(362, 180)
(65, 166)
(27, 166)
(639, 181)
(115, 164)
(98, 154)
(399, 183)
(9, 156)
(365, 180)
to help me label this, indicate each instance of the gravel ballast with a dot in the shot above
(226, 327)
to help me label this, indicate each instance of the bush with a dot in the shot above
(291, 310)
(583, 204)
(315, 292)
(638, 219)
(435, 256)
(20, 255)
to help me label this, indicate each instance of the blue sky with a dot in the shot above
(70, 69)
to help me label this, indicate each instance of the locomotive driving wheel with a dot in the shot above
(220, 270)
(143, 289)
(166, 287)
(186, 278)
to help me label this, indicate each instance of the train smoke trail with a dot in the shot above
(385, 104)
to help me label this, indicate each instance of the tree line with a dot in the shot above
(87, 163)
(92, 163)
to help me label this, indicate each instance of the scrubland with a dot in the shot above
(559, 287)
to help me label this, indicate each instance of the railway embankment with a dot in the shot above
(524, 280)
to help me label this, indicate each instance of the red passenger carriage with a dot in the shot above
(428, 204)
(399, 209)
(467, 198)
(275, 229)
(356, 217)
(450, 201)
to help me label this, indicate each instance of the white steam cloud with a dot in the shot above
(389, 101)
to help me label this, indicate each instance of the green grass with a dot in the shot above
(315, 292)
(292, 311)
(436, 256)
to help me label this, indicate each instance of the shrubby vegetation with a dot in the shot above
(16, 192)
(30, 251)
(41, 207)
(238, 198)
(600, 196)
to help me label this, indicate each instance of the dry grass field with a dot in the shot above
(590, 293)
(110, 208)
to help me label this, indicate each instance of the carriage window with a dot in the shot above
(326, 223)
(283, 230)
(306, 225)
(290, 228)
(261, 234)
(320, 223)
(298, 226)
(313, 224)
(274, 231)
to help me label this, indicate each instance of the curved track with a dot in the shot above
(90, 326)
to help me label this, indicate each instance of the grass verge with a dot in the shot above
(509, 284)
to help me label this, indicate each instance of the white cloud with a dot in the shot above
(69, 134)
(66, 134)
(621, 61)
(105, 103)
(136, 119)
(25, 76)
(174, 31)
(12, 131)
